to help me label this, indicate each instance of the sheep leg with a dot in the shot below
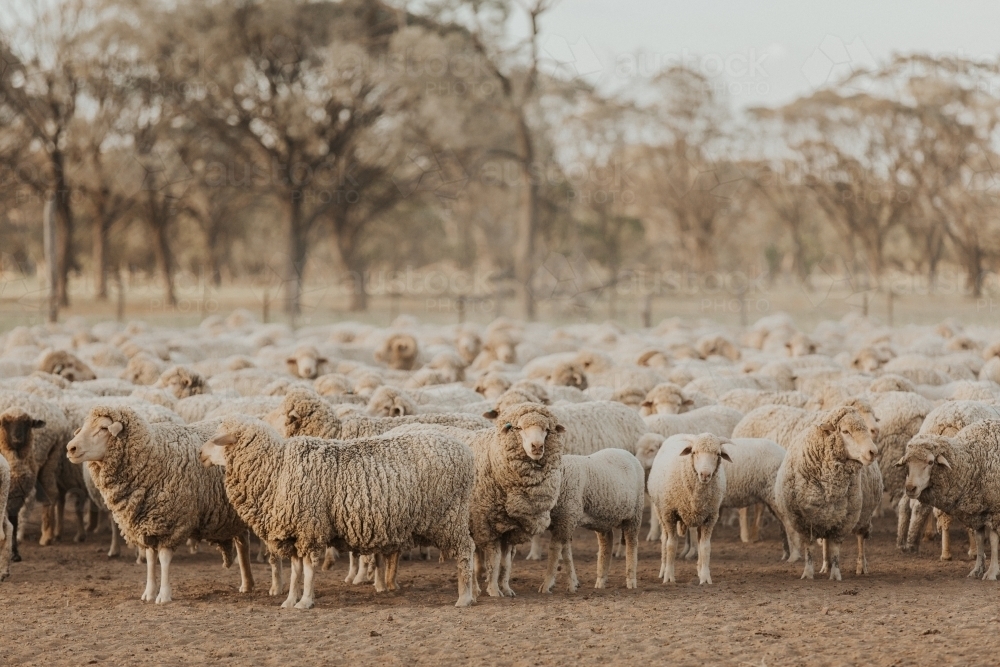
(604, 541)
(81, 528)
(574, 581)
(758, 522)
(669, 554)
(704, 554)
(944, 526)
(477, 572)
(808, 571)
(862, 566)
(293, 583)
(60, 516)
(826, 558)
(654, 527)
(243, 557)
(902, 522)
(555, 554)
(980, 568)
(364, 565)
(391, 568)
(745, 524)
(328, 558)
(505, 567)
(833, 548)
(535, 553)
(22, 523)
(466, 576)
(352, 568)
(492, 556)
(150, 593)
(93, 518)
(619, 544)
(631, 534)
(7, 528)
(991, 574)
(15, 536)
(308, 568)
(918, 517)
(972, 542)
(277, 575)
(116, 546)
(166, 593)
(379, 573)
(691, 546)
(48, 525)
(262, 552)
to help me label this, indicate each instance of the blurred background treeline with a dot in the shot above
(363, 153)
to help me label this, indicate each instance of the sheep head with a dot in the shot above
(534, 427)
(491, 385)
(66, 365)
(924, 454)
(305, 362)
(647, 448)
(707, 451)
(390, 402)
(848, 426)
(303, 412)
(568, 375)
(16, 438)
(182, 382)
(92, 440)
(398, 352)
(665, 398)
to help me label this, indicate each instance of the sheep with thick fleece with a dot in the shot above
(182, 382)
(306, 362)
(600, 492)
(302, 412)
(783, 423)
(160, 497)
(65, 364)
(715, 419)
(398, 351)
(947, 420)
(518, 478)
(6, 527)
(374, 495)
(143, 368)
(822, 487)
(961, 477)
(687, 485)
(745, 400)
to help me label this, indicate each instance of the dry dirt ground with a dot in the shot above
(69, 604)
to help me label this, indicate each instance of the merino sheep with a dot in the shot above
(782, 423)
(143, 368)
(600, 492)
(66, 365)
(821, 485)
(149, 476)
(182, 382)
(398, 351)
(746, 400)
(375, 495)
(687, 484)
(306, 362)
(961, 476)
(518, 478)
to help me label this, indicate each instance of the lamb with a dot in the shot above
(600, 492)
(959, 476)
(518, 479)
(66, 365)
(6, 527)
(149, 477)
(826, 484)
(182, 382)
(687, 484)
(375, 495)
(398, 351)
(716, 419)
(304, 413)
(305, 362)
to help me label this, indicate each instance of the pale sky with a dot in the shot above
(761, 52)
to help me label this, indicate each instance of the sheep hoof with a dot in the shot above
(304, 604)
(16, 558)
(600, 583)
(945, 556)
(545, 588)
(508, 592)
(464, 601)
(164, 599)
(533, 556)
(79, 537)
(287, 604)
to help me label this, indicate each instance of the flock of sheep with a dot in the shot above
(374, 442)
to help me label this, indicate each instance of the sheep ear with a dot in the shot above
(901, 462)
(291, 361)
(322, 360)
(293, 415)
(38, 423)
(686, 451)
(647, 404)
(725, 455)
(560, 428)
(943, 461)
(187, 382)
(114, 428)
(687, 402)
(222, 440)
(491, 415)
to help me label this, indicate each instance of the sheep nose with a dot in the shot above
(537, 450)
(704, 476)
(910, 489)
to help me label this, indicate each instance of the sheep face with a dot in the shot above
(922, 456)
(707, 453)
(568, 375)
(92, 439)
(15, 433)
(67, 366)
(532, 435)
(181, 384)
(213, 452)
(305, 364)
(855, 434)
(647, 449)
(664, 400)
(492, 386)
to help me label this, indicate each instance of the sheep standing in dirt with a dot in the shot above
(600, 492)
(961, 476)
(687, 484)
(820, 485)
(18, 448)
(6, 527)
(149, 476)
(518, 478)
(376, 495)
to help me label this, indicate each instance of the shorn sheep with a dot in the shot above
(149, 476)
(600, 492)
(375, 495)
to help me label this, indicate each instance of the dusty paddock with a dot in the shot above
(69, 604)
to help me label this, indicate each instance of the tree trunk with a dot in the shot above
(64, 228)
(295, 263)
(524, 249)
(164, 258)
(100, 247)
(974, 270)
